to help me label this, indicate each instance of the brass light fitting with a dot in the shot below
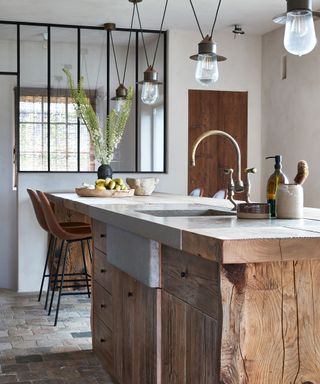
(207, 47)
(296, 5)
(150, 75)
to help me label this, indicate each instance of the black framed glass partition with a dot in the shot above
(49, 135)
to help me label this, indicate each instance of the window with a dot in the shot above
(62, 149)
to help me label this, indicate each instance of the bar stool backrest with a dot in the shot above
(37, 209)
(53, 224)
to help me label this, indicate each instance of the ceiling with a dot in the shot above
(254, 15)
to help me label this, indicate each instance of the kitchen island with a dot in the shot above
(184, 292)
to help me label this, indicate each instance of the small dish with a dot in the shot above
(253, 211)
(143, 186)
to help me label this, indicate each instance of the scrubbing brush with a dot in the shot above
(303, 172)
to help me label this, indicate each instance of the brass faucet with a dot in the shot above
(236, 186)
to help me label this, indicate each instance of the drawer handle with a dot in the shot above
(102, 340)
(102, 306)
(103, 271)
(102, 235)
(184, 275)
(130, 294)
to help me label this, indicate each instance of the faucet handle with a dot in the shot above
(247, 184)
(250, 170)
(231, 187)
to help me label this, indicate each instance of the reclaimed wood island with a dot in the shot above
(184, 292)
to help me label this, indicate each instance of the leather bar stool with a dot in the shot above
(52, 240)
(67, 235)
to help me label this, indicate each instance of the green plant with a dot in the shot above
(104, 139)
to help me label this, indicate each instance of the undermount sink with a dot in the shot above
(187, 212)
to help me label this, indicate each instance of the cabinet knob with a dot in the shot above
(102, 340)
(130, 294)
(102, 270)
(102, 235)
(184, 275)
(102, 306)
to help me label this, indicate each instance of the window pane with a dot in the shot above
(33, 147)
(63, 147)
(87, 161)
(58, 110)
(33, 135)
(8, 48)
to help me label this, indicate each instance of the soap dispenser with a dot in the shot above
(278, 177)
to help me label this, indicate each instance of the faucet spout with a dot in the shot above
(238, 181)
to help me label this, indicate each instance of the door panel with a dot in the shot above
(216, 110)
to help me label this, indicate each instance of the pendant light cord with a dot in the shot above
(196, 17)
(115, 57)
(127, 53)
(159, 35)
(143, 42)
(215, 19)
(197, 20)
(128, 48)
(160, 30)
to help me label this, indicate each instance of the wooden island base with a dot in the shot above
(271, 323)
(203, 300)
(208, 323)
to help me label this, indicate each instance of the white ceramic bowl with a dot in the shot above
(143, 186)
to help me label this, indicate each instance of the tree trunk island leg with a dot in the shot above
(271, 323)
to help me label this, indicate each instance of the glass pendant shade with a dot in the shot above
(299, 37)
(207, 71)
(149, 92)
(119, 104)
(150, 86)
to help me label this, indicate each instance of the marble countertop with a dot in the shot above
(225, 238)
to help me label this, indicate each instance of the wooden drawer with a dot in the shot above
(102, 270)
(103, 343)
(192, 279)
(102, 305)
(99, 230)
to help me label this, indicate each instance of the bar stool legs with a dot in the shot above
(44, 274)
(59, 278)
(55, 278)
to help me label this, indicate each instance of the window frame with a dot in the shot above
(136, 33)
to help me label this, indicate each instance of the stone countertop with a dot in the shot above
(221, 238)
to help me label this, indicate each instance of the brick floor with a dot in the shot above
(33, 351)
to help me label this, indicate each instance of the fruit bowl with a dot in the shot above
(86, 192)
(142, 186)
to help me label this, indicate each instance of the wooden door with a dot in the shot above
(220, 110)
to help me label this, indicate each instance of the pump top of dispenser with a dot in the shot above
(278, 161)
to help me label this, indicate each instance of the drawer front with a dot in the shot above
(102, 270)
(102, 305)
(103, 344)
(99, 230)
(192, 279)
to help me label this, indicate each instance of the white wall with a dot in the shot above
(8, 205)
(290, 111)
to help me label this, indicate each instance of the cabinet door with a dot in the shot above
(134, 311)
(190, 344)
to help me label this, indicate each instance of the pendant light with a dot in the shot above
(121, 91)
(150, 83)
(207, 71)
(299, 37)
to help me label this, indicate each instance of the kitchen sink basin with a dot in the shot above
(187, 212)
